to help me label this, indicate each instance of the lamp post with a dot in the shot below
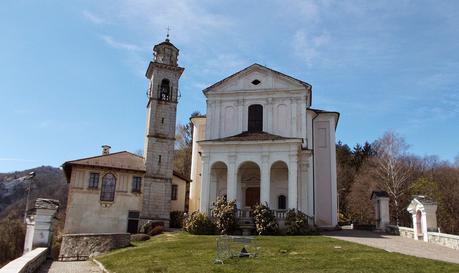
(30, 176)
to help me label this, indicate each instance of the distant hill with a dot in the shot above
(49, 182)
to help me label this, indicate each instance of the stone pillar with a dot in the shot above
(231, 183)
(415, 227)
(293, 182)
(40, 226)
(30, 226)
(380, 201)
(205, 184)
(265, 181)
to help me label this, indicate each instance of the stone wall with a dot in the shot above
(448, 240)
(81, 246)
(406, 232)
(27, 263)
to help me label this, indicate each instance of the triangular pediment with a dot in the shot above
(257, 77)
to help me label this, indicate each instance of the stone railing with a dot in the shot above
(27, 263)
(448, 240)
(406, 232)
(79, 247)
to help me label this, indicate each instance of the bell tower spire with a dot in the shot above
(163, 74)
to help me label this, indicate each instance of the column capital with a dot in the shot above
(293, 157)
(232, 158)
(264, 157)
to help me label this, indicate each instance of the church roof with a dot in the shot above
(166, 42)
(255, 65)
(121, 160)
(251, 136)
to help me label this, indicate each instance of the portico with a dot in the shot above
(238, 170)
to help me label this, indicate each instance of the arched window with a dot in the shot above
(107, 192)
(281, 202)
(164, 90)
(255, 123)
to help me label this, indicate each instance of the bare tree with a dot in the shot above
(394, 167)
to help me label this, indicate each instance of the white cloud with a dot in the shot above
(309, 47)
(120, 45)
(16, 159)
(93, 18)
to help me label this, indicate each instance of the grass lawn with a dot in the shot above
(181, 252)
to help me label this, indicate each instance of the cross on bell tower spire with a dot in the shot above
(167, 35)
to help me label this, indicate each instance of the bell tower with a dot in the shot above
(163, 75)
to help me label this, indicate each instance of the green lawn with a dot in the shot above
(181, 252)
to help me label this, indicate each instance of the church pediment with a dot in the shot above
(257, 77)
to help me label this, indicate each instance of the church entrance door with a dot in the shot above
(252, 196)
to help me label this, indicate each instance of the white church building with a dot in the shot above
(261, 142)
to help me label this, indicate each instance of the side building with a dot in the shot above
(106, 193)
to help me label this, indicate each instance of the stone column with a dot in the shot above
(40, 226)
(269, 108)
(415, 226)
(265, 181)
(205, 184)
(293, 181)
(231, 183)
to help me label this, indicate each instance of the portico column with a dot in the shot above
(415, 225)
(293, 182)
(205, 185)
(231, 183)
(265, 182)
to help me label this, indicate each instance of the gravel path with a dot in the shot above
(393, 243)
(70, 267)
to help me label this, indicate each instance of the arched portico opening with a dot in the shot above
(218, 178)
(248, 180)
(279, 185)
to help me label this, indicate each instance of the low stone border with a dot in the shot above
(79, 247)
(27, 263)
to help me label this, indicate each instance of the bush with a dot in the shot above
(265, 220)
(199, 223)
(177, 218)
(224, 215)
(296, 222)
(156, 231)
(139, 237)
(149, 226)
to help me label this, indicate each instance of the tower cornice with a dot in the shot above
(154, 65)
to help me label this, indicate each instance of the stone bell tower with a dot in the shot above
(163, 74)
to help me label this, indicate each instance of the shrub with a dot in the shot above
(265, 220)
(156, 231)
(224, 215)
(296, 222)
(149, 226)
(177, 218)
(199, 223)
(139, 237)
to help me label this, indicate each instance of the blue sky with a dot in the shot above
(72, 72)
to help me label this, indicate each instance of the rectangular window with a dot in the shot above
(174, 192)
(93, 181)
(136, 184)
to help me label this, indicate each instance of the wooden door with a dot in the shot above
(252, 196)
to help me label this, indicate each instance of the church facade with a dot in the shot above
(262, 142)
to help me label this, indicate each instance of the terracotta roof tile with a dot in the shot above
(251, 136)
